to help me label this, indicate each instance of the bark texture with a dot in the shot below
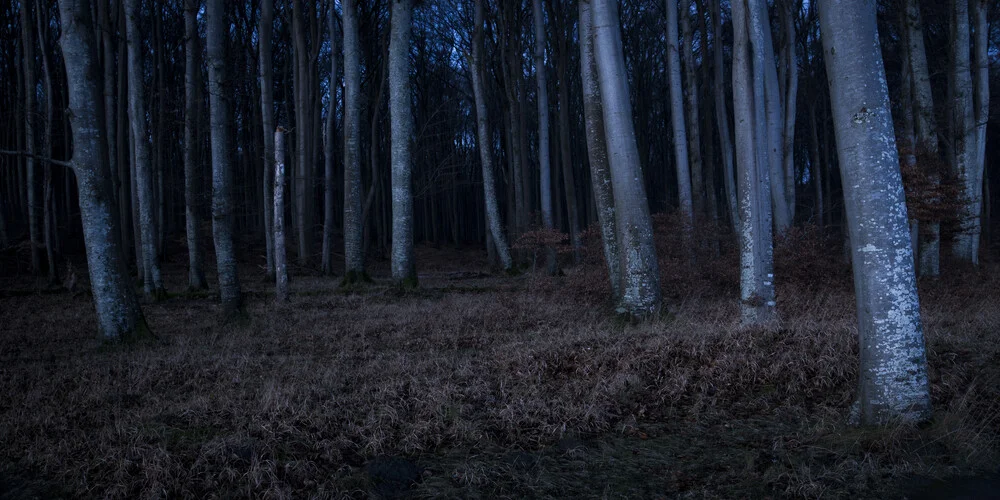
(192, 170)
(404, 269)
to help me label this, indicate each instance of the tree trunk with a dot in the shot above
(544, 153)
(404, 270)
(303, 136)
(354, 259)
(692, 115)
(28, 51)
(222, 175)
(328, 168)
(981, 110)
(485, 150)
(722, 116)
(192, 171)
(266, 72)
(770, 114)
(152, 281)
(119, 316)
(791, 96)
(893, 382)
(597, 149)
(639, 268)
(757, 304)
(565, 152)
(48, 214)
(280, 268)
(681, 159)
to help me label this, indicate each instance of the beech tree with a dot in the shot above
(544, 156)
(404, 270)
(353, 224)
(192, 171)
(893, 382)
(266, 78)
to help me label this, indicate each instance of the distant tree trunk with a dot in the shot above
(893, 382)
(485, 150)
(791, 87)
(597, 149)
(303, 136)
(353, 222)
(692, 118)
(927, 129)
(722, 116)
(192, 171)
(107, 42)
(280, 257)
(404, 270)
(28, 51)
(544, 158)
(966, 244)
(639, 268)
(757, 304)
(266, 75)
(152, 281)
(681, 159)
(222, 175)
(119, 316)
(48, 214)
(816, 167)
(973, 177)
(770, 114)
(331, 133)
(565, 151)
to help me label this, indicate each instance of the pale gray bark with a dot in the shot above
(353, 222)
(544, 157)
(926, 130)
(119, 316)
(722, 116)
(28, 51)
(192, 170)
(404, 269)
(280, 257)
(981, 109)
(331, 131)
(893, 381)
(757, 304)
(266, 78)
(681, 159)
(152, 281)
(639, 268)
(222, 175)
(964, 134)
(597, 149)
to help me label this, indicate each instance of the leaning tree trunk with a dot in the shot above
(266, 72)
(280, 257)
(354, 259)
(222, 175)
(192, 171)
(119, 317)
(722, 116)
(597, 149)
(544, 159)
(681, 159)
(331, 134)
(485, 150)
(404, 270)
(757, 305)
(639, 269)
(893, 382)
(28, 51)
(152, 281)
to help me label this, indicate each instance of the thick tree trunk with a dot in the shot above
(639, 268)
(770, 114)
(152, 281)
(192, 171)
(757, 304)
(354, 260)
(266, 76)
(893, 382)
(981, 110)
(328, 167)
(119, 316)
(222, 175)
(280, 256)
(495, 228)
(544, 153)
(28, 51)
(597, 149)
(404, 269)
(678, 127)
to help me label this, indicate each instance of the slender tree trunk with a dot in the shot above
(597, 149)
(222, 175)
(353, 222)
(791, 96)
(192, 171)
(280, 257)
(893, 382)
(28, 51)
(331, 134)
(639, 268)
(266, 76)
(770, 114)
(303, 135)
(544, 153)
(692, 115)
(757, 303)
(681, 159)
(981, 112)
(152, 281)
(404, 270)
(119, 316)
(485, 150)
(722, 116)
(48, 214)
(565, 152)
(816, 168)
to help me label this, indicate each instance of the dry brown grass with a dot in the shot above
(491, 386)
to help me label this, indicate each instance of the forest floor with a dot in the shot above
(480, 385)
